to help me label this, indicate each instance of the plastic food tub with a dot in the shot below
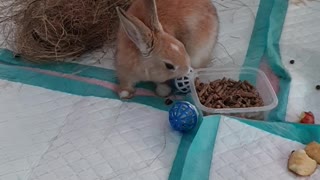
(254, 76)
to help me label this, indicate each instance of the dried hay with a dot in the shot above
(52, 30)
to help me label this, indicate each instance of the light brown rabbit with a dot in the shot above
(161, 40)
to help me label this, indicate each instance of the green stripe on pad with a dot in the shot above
(277, 19)
(7, 57)
(193, 158)
(264, 44)
(259, 38)
(303, 133)
(199, 157)
(15, 74)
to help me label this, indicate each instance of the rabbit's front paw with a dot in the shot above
(163, 90)
(125, 94)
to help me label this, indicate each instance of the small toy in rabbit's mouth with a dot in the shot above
(182, 84)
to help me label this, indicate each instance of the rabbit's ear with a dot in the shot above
(137, 31)
(152, 13)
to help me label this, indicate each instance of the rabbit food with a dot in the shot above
(313, 151)
(301, 164)
(304, 161)
(228, 93)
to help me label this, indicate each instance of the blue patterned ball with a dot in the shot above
(183, 116)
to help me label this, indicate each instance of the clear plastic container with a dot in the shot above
(254, 76)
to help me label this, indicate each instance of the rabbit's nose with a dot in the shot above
(187, 70)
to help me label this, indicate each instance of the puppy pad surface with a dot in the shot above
(245, 152)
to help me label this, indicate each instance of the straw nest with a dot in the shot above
(53, 30)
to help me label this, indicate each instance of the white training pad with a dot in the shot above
(30, 118)
(300, 41)
(35, 121)
(37, 125)
(52, 135)
(106, 139)
(243, 152)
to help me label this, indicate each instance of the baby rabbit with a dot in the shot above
(161, 40)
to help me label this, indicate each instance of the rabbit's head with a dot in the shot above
(164, 56)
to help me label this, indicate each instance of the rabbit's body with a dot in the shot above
(162, 44)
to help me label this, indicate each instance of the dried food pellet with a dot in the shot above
(237, 106)
(317, 87)
(228, 93)
(292, 61)
(168, 101)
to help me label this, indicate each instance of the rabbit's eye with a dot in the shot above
(169, 66)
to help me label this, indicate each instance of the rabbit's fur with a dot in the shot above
(161, 40)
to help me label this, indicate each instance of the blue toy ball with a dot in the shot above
(183, 116)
